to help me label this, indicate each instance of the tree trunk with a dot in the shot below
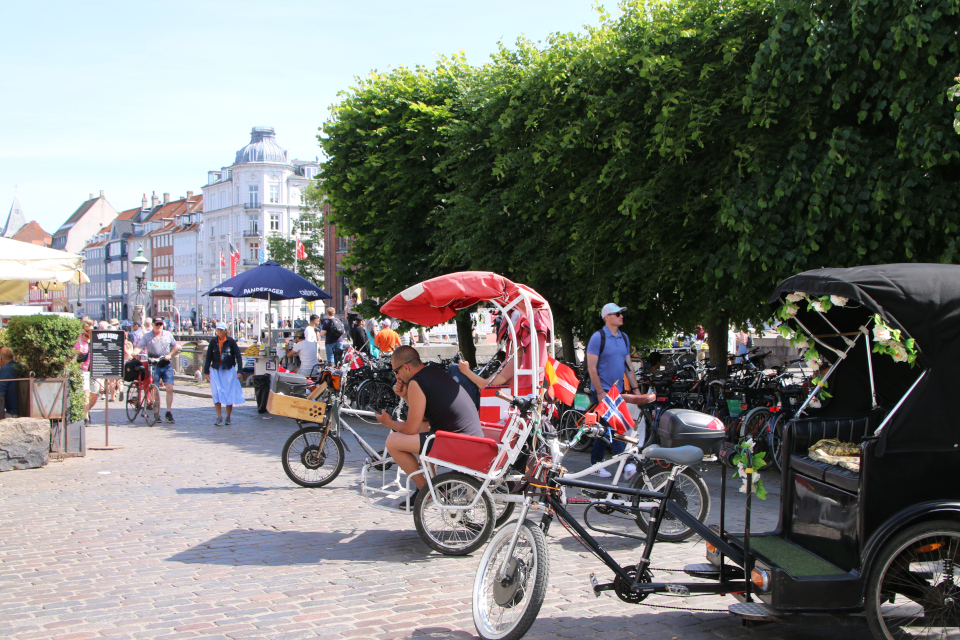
(465, 337)
(567, 340)
(717, 339)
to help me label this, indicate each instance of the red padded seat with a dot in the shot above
(460, 449)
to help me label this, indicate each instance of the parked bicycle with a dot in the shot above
(142, 395)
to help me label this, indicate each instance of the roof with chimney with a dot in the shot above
(15, 219)
(72, 220)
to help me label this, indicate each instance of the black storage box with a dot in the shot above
(681, 427)
(290, 384)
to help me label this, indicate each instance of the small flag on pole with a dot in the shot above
(301, 250)
(223, 261)
(615, 410)
(563, 381)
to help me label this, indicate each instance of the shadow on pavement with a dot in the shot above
(234, 488)
(283, 548)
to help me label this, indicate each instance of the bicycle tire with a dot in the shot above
(132, 402)
(151, 405)
(755, 425)
(306, 464)
(777, 426)
(689, 489)
(454, 532)
(375, 396)
(570, 423)
(505, 610)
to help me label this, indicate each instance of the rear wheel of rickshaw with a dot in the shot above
(308, 463)
(451, 531)
(506, 608)
(914, 588)
(689, 492)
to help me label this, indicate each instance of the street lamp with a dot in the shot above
(141, 262)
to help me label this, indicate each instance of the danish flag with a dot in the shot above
(563, 381)
(615, 410)
(352, 358)
(301, 250)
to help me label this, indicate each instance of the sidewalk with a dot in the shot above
(194, 531)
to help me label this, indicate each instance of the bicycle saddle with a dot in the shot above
(684, 456)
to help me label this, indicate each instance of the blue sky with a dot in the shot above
(134, 97)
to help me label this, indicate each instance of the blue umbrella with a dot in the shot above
(268, 281)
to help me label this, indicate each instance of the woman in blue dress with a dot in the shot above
(222, 369)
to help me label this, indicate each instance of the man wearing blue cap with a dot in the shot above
(608, 359)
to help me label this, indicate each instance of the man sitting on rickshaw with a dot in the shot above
(435, 403)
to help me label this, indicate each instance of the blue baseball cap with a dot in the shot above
(609, 308)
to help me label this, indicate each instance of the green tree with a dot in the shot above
(282, 250)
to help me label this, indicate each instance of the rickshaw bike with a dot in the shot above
(876, 537)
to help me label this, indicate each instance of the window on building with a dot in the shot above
(213, 201)
(274, 222)
(275, 193)
(343, 244)
(255, 251)
(254, 194)
(253, 222)
(213, 230)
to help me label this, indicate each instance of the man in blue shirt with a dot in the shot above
(8, 390)
(608, 359)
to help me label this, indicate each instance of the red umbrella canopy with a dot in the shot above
(438, 299)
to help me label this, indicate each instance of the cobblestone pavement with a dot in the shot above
(193, 531)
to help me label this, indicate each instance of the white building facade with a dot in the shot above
(259, 195)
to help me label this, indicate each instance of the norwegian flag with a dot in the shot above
(615, 410)
(301, 250)
(352, 358)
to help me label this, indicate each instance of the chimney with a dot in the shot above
(91, 197)
(143, 203)
(166, 198)
(101, 193)
(189, 194)
(154, 201)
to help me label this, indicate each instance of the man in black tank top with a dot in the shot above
(436, 403)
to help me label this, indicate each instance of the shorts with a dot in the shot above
(163, 374)
(423, 439)
(91, 385)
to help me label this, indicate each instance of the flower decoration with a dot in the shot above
(742, 458)
(889, 341)
(839, 301)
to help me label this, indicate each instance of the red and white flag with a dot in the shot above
(614, 410)
(562, 381)
(301, 250)
(234, 259)
(352, 358)
(223, 261)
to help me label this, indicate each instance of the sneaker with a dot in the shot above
(227, 423)
(413, 501)
(602, 473)
(218, 422)
(168, 417)
(86, 421)
(629, 471)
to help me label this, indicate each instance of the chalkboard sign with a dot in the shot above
(106, 354)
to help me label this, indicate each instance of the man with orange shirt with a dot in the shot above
(388, 339)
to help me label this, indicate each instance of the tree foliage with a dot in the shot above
(680, 159)
(282, 249)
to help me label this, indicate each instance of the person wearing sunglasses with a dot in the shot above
(435, 403)
(608, 359)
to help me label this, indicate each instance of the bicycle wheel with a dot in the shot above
(132, 402)
(914, 588)
(570, 423)
(454, 532)
(376, 396)
(365, 402)
(306, 463)
(689, 492)
(151, 405)
(776, 441)
(754, 425)
(505, 609)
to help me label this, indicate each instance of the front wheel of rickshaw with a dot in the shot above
(914, 588)
(449, 530)
(311, 460)
(506, 606)
(689, 492)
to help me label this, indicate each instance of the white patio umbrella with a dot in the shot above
(22, 263)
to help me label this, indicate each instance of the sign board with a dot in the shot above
(161, 286)
(106, 354)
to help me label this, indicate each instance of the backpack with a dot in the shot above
(603, 342)
(336, 330)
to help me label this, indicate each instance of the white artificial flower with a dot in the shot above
(839, 301)
(899, 351)
(812, 363)
(791, 310)
(748, 444)
(795, 297)
(818, 306)
(815, 403)
(743, 487)
(801, 343)
(881, 333)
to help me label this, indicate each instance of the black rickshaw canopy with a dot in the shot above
(923, 302)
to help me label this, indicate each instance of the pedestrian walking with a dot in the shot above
(221, 370)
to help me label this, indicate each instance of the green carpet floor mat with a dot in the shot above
(797, 562)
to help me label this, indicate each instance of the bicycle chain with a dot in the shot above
(667, 606)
